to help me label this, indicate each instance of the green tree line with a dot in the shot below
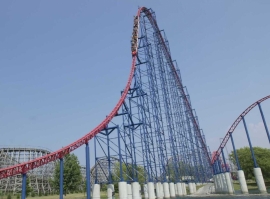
(262, 156)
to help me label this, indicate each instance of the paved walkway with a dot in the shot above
(205, 190)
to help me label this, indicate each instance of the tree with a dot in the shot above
(28, 187)
(262, 156)
(184, 170)
(127, 171)
(72, 174)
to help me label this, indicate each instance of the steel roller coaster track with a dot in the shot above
(233, 127)
(24, 167)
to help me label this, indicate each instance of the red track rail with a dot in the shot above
(234, 125)
(24, 167)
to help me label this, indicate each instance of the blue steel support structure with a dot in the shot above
(154, 128)
(235, 153)
(250, 144)
(264, 122)
(120, 155)
(185, 159)
(88, 182)
(23, 196)
(61, 178)
(199, 158)
(147, 139)
(180, 118)
(179, 121)
(151, 87)
(168, 127)
(224, 161)
(178, 127)
(201, 170)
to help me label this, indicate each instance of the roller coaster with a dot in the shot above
(152, 126)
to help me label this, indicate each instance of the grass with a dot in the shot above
(199, 186)
(250, 185)
(103, 194)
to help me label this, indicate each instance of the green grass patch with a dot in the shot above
(252, 185)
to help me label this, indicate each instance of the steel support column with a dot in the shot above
(250, 145)
(264, 123)
(61, 178)
(23, 196)
(88, 182)
(235, 153)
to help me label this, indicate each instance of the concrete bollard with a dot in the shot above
(166, 190)
(145, 191)
(172, 191)
(110, 190)
(194, 187)
(151, 190)
(184, 189)
(129, 191)
(242, 181)
(259, 179)
(179, 189)
(220, 183)
(190, 186)
(96, 191)
(161, 190)
(215, 183)
(135, 186)
(224, 183)
(175, 189)
(122, 186)
(157, 191)
(230, 189)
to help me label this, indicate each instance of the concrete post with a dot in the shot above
(172, 191)
(122, 186)
(110, 190)
(161, 190)
(166, 190)
(230, 189)
(190, 186)
(220, 183)
(179, 189)
(259, 179)
(215, 183)
(140, 191)
(157, 191)
(135, 190)
(129, 191)
(145, 191)
(175, 189)
(184, 189)
(151, 190)
(194, 187)
(96, 191)
(242, 181)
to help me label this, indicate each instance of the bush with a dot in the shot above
(18, 196)
(46, 194)
(33, 194)
(9, 196)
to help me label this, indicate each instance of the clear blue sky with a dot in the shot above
(64, 63)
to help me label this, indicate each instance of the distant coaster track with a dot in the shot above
(233, 127)
(24, 167)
